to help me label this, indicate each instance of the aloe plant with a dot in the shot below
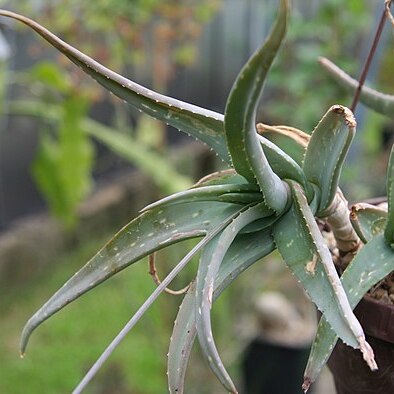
(267, 199)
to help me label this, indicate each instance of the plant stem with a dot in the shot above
(369, 59)
(339, 220)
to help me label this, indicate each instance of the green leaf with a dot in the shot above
(224, 177)
(63, 166)
(372, 263)
(289, 139)
(202, 124)
(379, 102)
(208, 193)
(284, 165)
(181, 342)
(389, 230)
(51, 75)
(211, 259)
(243, 252)
(304, 250)
(150, 162)
(144, 307)
(158, 168)
(326, 152)
(151, 231)
(247, 155)
(368, 220)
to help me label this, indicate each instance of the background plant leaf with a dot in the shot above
(379, 102)
(62, 168)
(389, 230)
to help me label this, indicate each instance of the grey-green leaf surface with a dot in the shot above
(368, 220)
(284, 165)
(243, 252)
(303, 249)
(371, 264)
(247, 155)
(202, 124)
(326, 152)
(210, 261)
(224, 177)
(145, 306)
(151, 231)
(290, 140)
(389, 230)
(379, 102)
(181, 342)
(205, 193)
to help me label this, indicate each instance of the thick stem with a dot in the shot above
(339, 220)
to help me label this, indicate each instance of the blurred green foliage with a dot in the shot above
(118, 33)
(333, 29)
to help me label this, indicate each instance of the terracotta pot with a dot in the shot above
(351, 374)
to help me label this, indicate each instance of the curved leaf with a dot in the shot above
(224, 177)
(379, 102)
(284, 165)
(247, 155)
(157, 167)
(368, 220)
(181, 342)
(253, 247)
(389, 230)
(289, 139)
(304, 250)
(326, 152)
(143, 308)
(205, 193)
(153, 230)
(210, 261)
(202, 124)
(372, 263)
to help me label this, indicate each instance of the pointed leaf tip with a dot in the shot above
(202, 124)
(247, 155)
(306, 384)
(127, 247)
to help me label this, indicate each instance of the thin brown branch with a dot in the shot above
(370, 56)
(156, 279)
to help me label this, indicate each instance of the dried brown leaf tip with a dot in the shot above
(389, 14)
(347, 113)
